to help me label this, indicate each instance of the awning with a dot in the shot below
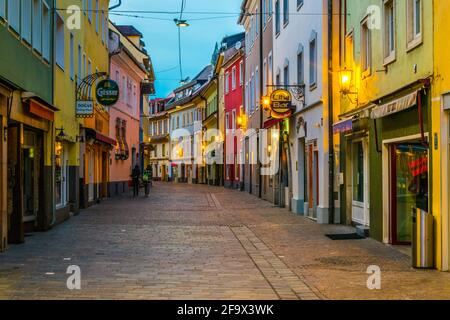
(272, 122)
(394, 106)
(38, 109)
(91, 133)
(343, 126)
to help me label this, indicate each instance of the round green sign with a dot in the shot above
(107, 92)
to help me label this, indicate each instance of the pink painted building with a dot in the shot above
(233, 66)
(129, 70)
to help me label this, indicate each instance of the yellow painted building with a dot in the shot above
(82, 149)
(441, 127)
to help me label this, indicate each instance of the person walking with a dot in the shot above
(135, 175)
(147, 178)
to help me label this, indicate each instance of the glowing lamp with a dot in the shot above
(266, 102)
(345, 80)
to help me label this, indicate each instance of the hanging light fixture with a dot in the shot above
(181, 23)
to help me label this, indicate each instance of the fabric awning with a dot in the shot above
(91, 133)
(41, 111)
(395, 106)
(343, 126)
(272, 122)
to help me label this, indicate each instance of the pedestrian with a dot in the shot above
(147, 177)
(135, 175)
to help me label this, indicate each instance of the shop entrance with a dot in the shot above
(91, 180)
(61, 174)
(312, 155)
(360, 183)
(409, 188)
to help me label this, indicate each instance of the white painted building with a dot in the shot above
(300, 57)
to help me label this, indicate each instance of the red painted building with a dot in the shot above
(233, 67)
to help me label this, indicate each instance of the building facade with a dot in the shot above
(158, 143)
(186, 117)
(303, 62)
(97, 147)
(27, 115)
(441, 133)
(385, 129)
(256, 18)
(233, 65)
(129, 68)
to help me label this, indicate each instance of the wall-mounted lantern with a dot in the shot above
(345, 83)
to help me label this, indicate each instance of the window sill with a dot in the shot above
(59, 66)
(366, 74)
(389, 59)
(411, 45)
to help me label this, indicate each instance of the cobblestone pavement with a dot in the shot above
(200, 242)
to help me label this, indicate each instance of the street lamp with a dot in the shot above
(345, 80)
(265, 101)
(181, 23)
(345, 83)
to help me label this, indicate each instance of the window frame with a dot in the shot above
(413, 39)
(60, 37)
(365, 47)
(313, 63)
(389, 32)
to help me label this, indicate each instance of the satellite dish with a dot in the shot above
(113, 42)
(238, 45)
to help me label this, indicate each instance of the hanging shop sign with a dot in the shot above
(84, 109)
(281, 104)
(107, 92)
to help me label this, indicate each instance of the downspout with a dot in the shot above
(52, 144)
(330, 114)
(218, 129)
(261, 90)
(201, 131)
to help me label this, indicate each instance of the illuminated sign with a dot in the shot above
(281, 104)
(107, 92)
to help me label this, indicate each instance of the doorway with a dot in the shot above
(360, 182)
(91, 163)
(61, 174)
(312, 155)
(409, 184)
(104, 176)
(31, 164)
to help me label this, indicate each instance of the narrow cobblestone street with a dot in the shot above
(200, 242)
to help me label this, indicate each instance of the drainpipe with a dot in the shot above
(261, 90)
(53, 135)
(330, 113)
(201, 130)
(116, 6)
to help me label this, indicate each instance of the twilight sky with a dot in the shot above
(161, 35)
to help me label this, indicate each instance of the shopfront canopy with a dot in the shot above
(395, 106)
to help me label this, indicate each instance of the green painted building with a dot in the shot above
(26, 118)
(385, 143)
